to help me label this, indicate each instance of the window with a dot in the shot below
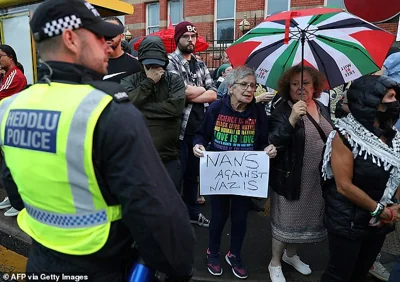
(175, 11)
(334, 3)
(225, 20)
(276, 6)
(153, 17)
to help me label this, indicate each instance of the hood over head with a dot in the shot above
(364, 96)
(152, 52)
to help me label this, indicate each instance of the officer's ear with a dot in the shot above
(71, 41)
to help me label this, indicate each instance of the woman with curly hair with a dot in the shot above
(299, 127)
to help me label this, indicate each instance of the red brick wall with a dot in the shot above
(139, 16)
(304, 3)
(198, 7)
(164, 12)
(249, 5)
(391, 27)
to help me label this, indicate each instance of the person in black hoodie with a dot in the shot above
(160, 96)
(232, 111)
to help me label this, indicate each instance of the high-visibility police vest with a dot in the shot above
(47, 138)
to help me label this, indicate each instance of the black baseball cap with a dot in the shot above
(154, 62)
(52, 17)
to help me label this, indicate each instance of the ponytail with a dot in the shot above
(21, 68)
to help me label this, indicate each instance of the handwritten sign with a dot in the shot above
(243, 173)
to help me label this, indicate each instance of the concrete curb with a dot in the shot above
(11, 236)
(202, 276)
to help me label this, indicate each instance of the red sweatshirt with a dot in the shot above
(14, 81)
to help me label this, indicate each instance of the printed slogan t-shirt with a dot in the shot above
(229, 130)
(232, 133)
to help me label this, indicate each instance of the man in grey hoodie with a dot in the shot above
(160, 96)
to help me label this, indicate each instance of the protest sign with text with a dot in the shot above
(243, 173)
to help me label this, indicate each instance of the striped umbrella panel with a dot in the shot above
(340, 45)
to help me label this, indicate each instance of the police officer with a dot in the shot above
(90, 183)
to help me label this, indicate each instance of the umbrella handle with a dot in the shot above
(303, 40)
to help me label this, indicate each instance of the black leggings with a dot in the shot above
(349, 260)
(221, 207)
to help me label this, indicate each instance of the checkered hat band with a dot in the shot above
(68, 221)
(56, 27)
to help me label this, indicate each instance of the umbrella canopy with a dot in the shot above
(167, 36)
(341, 45)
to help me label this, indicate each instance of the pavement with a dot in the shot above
(256, 252)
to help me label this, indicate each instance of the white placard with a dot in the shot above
(243, 173)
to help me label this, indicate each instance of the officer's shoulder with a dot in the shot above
(113, 89)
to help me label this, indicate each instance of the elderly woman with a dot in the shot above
(361, 168)
(299, 127)
(237, 109)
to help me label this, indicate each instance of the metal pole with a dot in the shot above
(303, 40)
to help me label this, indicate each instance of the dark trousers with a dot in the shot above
(42, 260)
(349, 260)
(190, 166)
(238, 206)
(173, 168)
(395, 274)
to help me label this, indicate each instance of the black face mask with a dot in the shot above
(388, 118)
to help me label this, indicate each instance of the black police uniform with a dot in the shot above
(129, 172)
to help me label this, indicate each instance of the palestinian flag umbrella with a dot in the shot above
(340, 45)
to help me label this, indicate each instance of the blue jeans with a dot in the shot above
(221, 206)
(395, 274)
(190, 165)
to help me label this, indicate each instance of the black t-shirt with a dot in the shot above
(121, 67)
(197, 113)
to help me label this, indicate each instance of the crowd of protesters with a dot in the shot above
(354, 206)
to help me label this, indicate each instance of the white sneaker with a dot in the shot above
(276, 274)
(297, 263)
(201, 221)
(11, 212)
(379, 271)
(5, 203)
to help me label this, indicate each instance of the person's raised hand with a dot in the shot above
(154, 73)
(298, 110)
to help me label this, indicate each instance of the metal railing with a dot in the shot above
(213, 55)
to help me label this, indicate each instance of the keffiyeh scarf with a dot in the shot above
(365, 143)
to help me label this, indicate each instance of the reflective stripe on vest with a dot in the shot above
(68, 220)
(83, 199)
(47, 137)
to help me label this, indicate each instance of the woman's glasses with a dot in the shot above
(245, 85)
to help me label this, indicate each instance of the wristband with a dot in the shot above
(391, 216)
(379, 209)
